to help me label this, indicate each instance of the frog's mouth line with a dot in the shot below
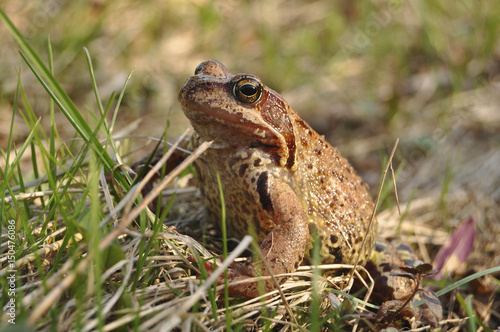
(237, 118)
(262, 145)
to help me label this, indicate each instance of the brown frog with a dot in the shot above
(279, 177)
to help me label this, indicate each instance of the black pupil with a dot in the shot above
(248, 90)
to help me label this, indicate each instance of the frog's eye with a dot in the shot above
(248, 90)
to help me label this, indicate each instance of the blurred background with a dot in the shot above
(361, 73)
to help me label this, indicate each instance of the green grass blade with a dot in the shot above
(466, 280)
(60, 97)
(115, 114)
(94, 85)
(52, 144)
(467, 306)
(120, 98)
(224, 248)
(5, 182)
(9, 170)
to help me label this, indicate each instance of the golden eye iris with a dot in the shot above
(248, 90)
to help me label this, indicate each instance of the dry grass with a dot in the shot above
(361, 74)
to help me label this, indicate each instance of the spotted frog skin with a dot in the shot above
(280, 179)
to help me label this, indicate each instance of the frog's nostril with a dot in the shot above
(199, 68)
(212, 68)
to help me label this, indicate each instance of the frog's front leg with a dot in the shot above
(284, 247)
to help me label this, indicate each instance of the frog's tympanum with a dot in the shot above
(279, 177)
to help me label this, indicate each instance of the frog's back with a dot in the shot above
(336, 200)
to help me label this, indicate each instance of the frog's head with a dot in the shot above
(238, 111)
